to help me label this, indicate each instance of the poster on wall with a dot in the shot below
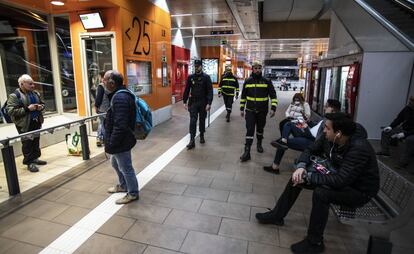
(210, 67)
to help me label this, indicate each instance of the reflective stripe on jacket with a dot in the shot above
(256, 93)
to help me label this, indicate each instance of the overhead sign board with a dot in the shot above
(222, 32)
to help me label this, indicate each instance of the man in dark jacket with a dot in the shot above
(25, 109)
(119, 138)
(199, 95)
(401, 128)
(228, 87)
(255, 100)
(355, 182)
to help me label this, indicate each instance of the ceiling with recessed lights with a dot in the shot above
(245, 19)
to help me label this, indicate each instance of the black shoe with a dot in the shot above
(246, 155)
(191, 145)
(273, 143)
(259, 147)
(268, 218)
(281, 145)
(32, 168)
(39, 162)
(228, 117)
(271, 170)
(202, 140)
(383, 153)
(306, 247)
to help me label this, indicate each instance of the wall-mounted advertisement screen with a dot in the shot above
(139, 77)
(91, 20)
(210, 67)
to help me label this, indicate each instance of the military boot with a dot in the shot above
(228, 117)
(246, 155)
(202, 140)
(191, 145)
(259, 146)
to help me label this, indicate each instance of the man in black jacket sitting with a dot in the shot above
(401, 128)
(354, 183)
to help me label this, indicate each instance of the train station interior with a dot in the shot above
(203, 199)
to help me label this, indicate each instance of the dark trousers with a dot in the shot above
(30, 147)
(228, 102)
(295, 143)
(408, 149)
(282, 123)
(254, 120)
(321, 199)
(197, 109)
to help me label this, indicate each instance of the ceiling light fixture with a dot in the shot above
(58, 3)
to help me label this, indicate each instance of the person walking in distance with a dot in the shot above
(228, 87)
(254, 101)
(198, 95)
(119, 138)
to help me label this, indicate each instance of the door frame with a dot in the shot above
(82, 38)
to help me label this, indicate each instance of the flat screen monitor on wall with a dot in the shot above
(91, 20)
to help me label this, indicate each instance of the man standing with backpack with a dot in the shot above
(25, 107)
(119, 137)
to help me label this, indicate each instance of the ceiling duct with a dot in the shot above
(246, 14)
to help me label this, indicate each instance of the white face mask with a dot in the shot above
(297, 103)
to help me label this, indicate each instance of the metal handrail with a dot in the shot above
(388, 25)
(406, 4)
(8, 153)
(31, 134)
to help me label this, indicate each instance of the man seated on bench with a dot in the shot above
(354, 182)
(301, 142)
(401, 128)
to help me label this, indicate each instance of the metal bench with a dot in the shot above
(392, 208)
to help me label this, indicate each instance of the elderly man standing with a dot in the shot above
(25, 108)
(119, 139)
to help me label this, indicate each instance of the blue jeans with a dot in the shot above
(101, 128)
(122, 164)
(297, 143)
(290, 128)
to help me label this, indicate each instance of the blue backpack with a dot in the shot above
(4, 112)
(143, 116)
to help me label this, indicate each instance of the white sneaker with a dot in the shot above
(126, 199)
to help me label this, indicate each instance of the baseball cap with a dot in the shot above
(197, 62)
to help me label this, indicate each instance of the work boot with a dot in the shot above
(39, 162)
(259, 146)
(191, 145)
(246, 155)
(228, 117)
(202, 140)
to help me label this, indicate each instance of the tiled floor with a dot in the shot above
(204, 201)
(58, 162)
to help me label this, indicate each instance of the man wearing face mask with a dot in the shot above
(254, 100)
(197, 99)
(401, 128)
(356, 180)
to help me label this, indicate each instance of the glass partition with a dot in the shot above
(24, 49)
(64, 48)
